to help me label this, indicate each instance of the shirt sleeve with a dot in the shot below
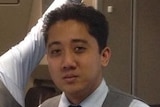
(18, 62)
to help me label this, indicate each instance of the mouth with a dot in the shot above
(70, 78)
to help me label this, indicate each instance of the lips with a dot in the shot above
(70, 78)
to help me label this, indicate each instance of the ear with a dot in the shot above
(105, 56)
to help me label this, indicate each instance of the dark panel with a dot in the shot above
(14, 20)
(147, 50)
(45, 4)
(118, 72)
(9, 1)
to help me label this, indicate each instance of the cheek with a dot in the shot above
(92, 62)
(55, 74)
(53, 69)
(91, 66)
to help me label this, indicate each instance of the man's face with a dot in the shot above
(74, 61)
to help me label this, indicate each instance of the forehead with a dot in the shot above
(68, 26)
(70, 30)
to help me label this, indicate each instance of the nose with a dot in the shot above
(68, 62)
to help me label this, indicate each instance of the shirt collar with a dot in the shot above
(97, 96)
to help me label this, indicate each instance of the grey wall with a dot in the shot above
(147, 53)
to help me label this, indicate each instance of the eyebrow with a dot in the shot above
(79, 40)
(53, 43)
(73, 41)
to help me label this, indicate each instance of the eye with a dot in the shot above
(79, 49)
(55, 52)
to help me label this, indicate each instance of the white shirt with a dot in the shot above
(97, 98)
(17, 63)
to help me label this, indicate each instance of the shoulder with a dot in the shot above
(117, 97)
(138, 103)
(125, 98)
(51, 101)
(120, 94)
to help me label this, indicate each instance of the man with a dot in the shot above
(76, 38)
(17, 64)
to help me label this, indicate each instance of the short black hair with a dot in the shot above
(94, 20)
